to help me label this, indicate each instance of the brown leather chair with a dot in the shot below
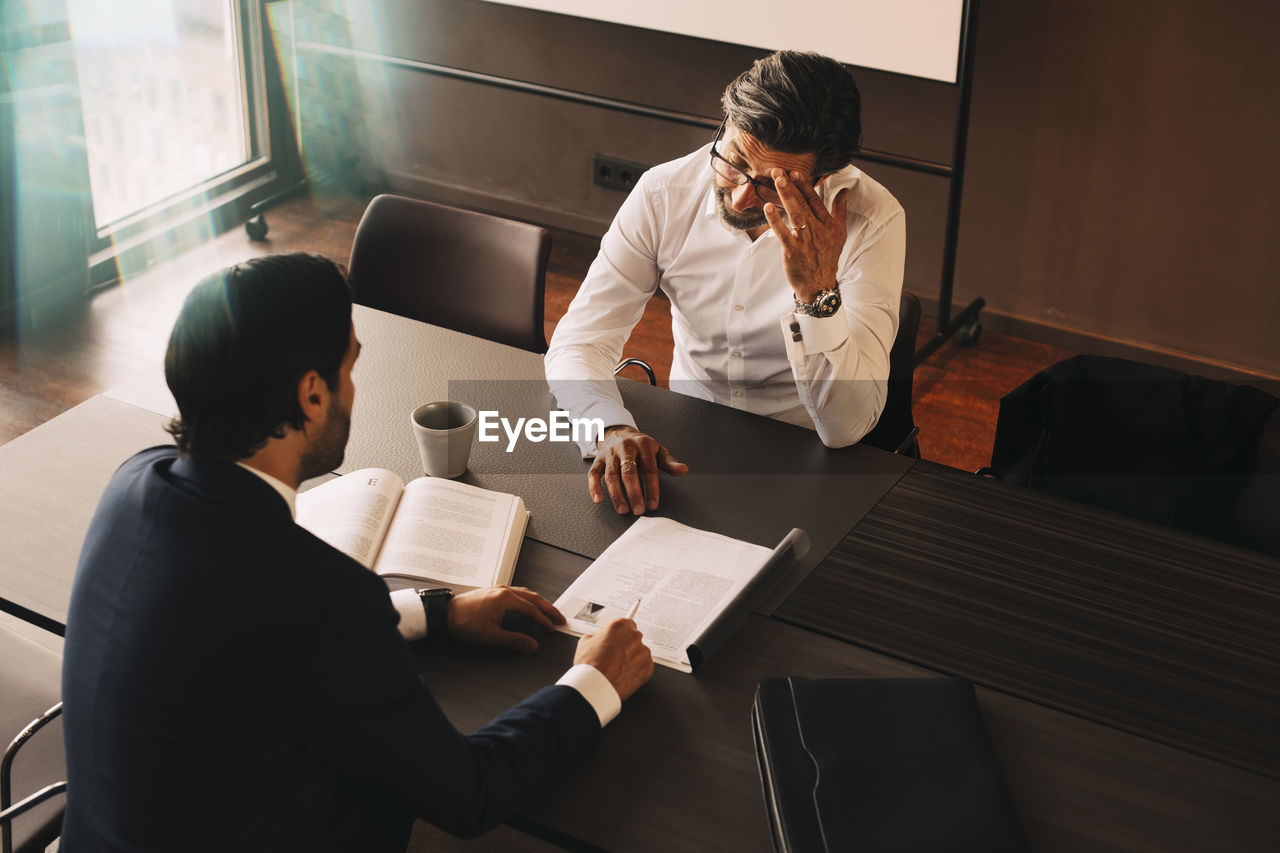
(466, 271)
(897, 431)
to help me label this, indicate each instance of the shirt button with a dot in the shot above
(737, 393)
(737, 308)
(736, 354)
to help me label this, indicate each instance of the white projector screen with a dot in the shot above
(920, 38)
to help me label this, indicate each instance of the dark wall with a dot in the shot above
(1122, 183)
(1123, 173)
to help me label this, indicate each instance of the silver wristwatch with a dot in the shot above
(825, 304)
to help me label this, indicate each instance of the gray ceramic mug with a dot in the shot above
(445, 432)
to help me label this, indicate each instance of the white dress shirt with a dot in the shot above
(590, 683)
(732, 308)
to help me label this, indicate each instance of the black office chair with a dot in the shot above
(30, 682)
(640, 363)
(896, 430)
(466, 271)
(1198, 454)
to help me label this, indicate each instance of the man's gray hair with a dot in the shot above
(799, 103)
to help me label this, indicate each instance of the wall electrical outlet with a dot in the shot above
(615, 174)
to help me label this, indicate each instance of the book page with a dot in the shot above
(453, 533)
(352, 512)
(683, 578)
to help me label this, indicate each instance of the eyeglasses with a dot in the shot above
(765, 190)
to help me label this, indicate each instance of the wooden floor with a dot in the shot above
(123, 330)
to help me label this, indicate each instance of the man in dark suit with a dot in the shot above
(231, 682)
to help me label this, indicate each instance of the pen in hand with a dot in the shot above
(635, 608)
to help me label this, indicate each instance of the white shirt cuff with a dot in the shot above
(596, 689)
(817, 334)
(413, 616)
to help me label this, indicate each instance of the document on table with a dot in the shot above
(689, 583)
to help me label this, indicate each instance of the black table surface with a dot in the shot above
(1154, 631)
(751, 477)
(676, 770)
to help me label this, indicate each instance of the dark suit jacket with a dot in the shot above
(231, 682)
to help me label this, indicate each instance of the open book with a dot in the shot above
(431, 529)
(693, 587)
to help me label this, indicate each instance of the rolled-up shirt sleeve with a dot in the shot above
(841, 363)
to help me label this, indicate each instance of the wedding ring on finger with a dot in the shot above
(627, 464)
(801, 227)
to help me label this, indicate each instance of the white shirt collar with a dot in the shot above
(710, 208)
(290, 495)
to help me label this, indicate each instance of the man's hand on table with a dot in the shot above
(482, 617)
(618, 653)
(627, 465)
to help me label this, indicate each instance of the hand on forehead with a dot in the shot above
(761, 159)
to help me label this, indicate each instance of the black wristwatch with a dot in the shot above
(825, 304)
(435, 602)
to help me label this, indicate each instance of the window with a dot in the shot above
(132, 132)
(205, 56)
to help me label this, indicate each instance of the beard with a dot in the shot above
(753, 218)
(330, 446)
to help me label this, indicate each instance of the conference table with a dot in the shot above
(1128, 674)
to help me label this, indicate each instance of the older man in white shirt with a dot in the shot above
(783, 264)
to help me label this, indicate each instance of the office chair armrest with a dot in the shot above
(907, 442)
(635, 362)
(6, 764)
(28, 803)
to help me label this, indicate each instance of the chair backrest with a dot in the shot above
(30, 684)
(1187, 451)
(466, 271)
(896, 424)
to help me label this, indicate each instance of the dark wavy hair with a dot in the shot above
(244, 339)
(799, 103)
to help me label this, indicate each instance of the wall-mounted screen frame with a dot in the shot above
(919, 38)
